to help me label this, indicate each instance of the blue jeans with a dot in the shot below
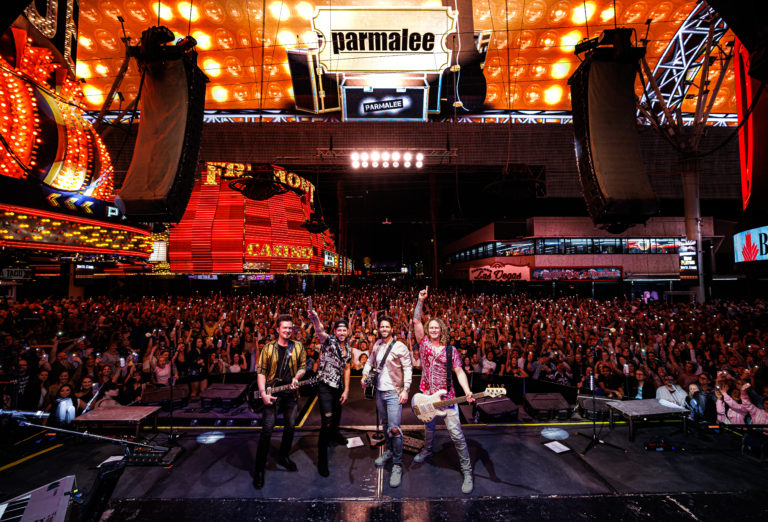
(390, 413)
(453, 424)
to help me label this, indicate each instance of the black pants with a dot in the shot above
(330, 412)
(289, 408)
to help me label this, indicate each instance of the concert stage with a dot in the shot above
(516, 476)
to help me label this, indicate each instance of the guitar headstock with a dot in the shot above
(495, 391)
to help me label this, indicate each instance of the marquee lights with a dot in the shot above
(28, 228)
(385, 159)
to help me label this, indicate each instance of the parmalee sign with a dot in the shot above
(384, 39)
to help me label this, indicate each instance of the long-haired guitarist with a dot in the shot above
(434, 378)
(391, 360)
(333, 390)
(282, 360)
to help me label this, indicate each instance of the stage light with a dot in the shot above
(560, 69)
(219, 93)
(419, 164)
(407, 156)
(305, 10)
(569, 41)
(188, 11)
(82, 70)
(280, 11)
(162, 10)
(583, 12)
(364, 164)
(212, 68)
(355, 156)
(364, 156)
(374, 164)
(385, 164)
(203, 40)
(395, 156)
(355, 164)
(607, 15)
(385, 156)
(553, 95)
(407, 164)
(395, 164)
(375, 155)
(419, 157)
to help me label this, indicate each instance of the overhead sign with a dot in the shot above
(369, 103)
(16, 273)
(751, 245)
(689, 260)
(576, 274)
(499, 272)
(384, 39)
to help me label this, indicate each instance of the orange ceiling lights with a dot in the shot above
(242, 44)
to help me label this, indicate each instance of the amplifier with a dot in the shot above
(221, 395)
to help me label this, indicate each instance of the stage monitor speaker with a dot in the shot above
(162, 396)
(159, 181)
(547, 406)
(497, 410)
(616, 188)
(220, 395)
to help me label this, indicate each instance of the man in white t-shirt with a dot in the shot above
(392, 386)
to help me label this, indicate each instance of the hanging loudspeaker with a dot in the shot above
(616, 188)
(159, 181)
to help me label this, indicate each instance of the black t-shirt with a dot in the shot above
(283, 374)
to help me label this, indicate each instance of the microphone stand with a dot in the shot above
(595, 439)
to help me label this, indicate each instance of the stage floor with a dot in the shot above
(516, 476)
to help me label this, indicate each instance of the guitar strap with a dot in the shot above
(448, 364)
(386, 354)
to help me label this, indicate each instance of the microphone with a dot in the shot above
(591, 383)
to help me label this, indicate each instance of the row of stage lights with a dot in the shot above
(386, 159)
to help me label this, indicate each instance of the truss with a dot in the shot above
(679, 64)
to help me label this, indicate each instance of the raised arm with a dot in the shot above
(317, 325)
(418, 326)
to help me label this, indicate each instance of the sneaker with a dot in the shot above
(380, 461)
(468, 485)
(422, 456)
(397, 476)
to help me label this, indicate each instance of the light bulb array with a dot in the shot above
(386, 159)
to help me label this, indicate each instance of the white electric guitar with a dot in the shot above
(427, 407)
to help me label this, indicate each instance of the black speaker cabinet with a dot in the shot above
(547, 406)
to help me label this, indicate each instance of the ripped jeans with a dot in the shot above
(453, 424)
(390, 413)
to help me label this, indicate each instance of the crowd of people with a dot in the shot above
(105, 350)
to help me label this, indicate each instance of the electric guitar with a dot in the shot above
(427, 407)
(254, 395)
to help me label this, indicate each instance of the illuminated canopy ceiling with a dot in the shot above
(242, 46)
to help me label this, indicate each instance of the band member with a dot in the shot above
(433, 379)
(333, 371)
(392, 385)
(282, 360)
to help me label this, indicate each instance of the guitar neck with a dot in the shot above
(275, 389)
(457, 400)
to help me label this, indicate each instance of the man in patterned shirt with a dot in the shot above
(433, 379)
(333, 390)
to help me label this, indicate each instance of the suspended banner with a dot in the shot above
(384, 39)
(500, 272)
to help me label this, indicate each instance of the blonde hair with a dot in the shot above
(445, 332)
